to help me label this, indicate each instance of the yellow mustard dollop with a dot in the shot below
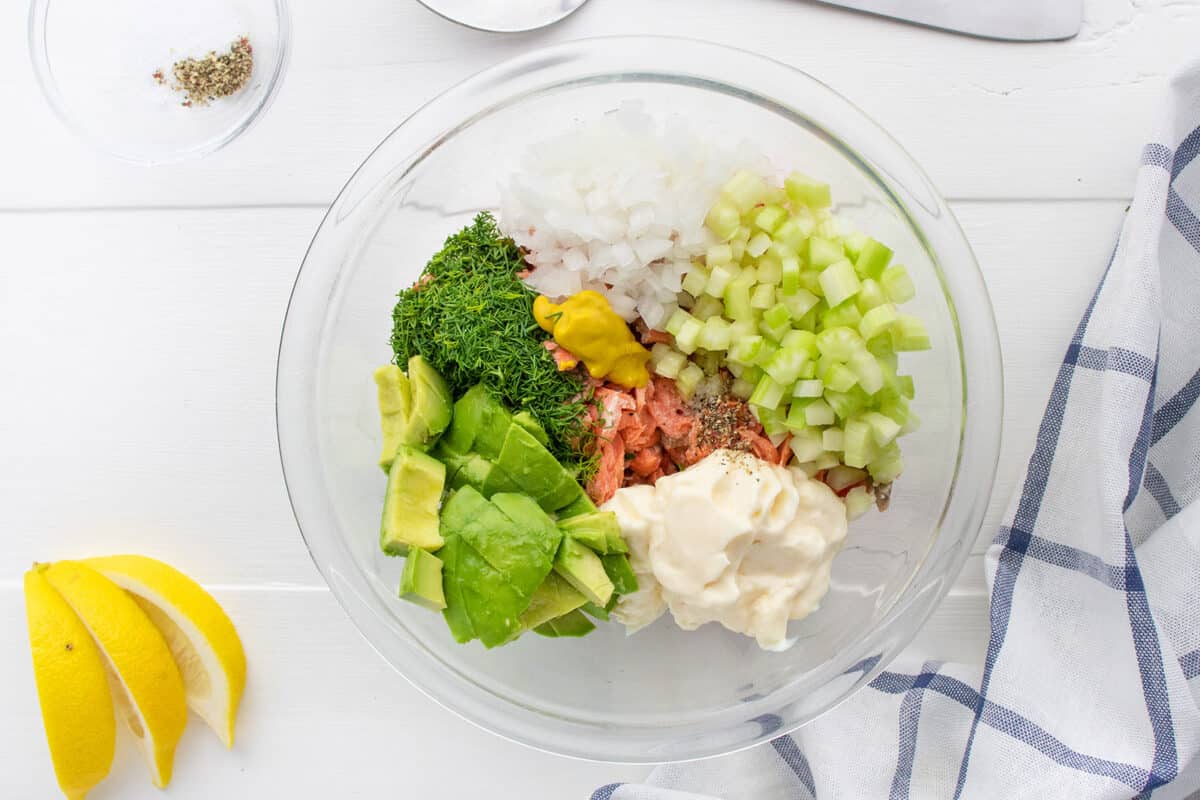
(586, 325)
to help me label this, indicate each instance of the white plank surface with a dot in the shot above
(140, 313)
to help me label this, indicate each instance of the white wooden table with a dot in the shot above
(140, 312)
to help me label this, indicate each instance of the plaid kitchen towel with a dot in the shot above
(1090, 685)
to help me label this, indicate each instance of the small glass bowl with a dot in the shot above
(662, 694)
(510, 16)
(96, 63)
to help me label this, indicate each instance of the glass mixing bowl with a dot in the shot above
(662, 694)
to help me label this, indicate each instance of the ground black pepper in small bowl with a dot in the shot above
(202, 80)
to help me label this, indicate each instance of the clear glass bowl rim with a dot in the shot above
(39, 56)
(690, 62)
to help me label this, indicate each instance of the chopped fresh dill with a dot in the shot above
(471, 317)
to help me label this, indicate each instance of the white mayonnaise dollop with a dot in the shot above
(733, 540)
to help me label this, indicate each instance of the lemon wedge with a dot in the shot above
(77, 709)
(146, 685)
(199, 633)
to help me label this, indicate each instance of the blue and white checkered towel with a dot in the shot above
(1090, 687)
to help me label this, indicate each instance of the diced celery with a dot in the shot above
(839, 343)
(841, 477)
(767, 393)
(745, 349)
(706, 307)
(870, 295)
(769, 218)
(897, 284)
(735, 369)
(742, 389)
(776, 196)
(772, 332)
(877, 320)
(777, 315)
(695, 280)
(883, 430)
(766, 352)
(718, 278)
(737, 301)
(804, 191)
(806, 445)
(886, 464)
(805, 341)
(689, 378)
(831, 439)
(872, 259)
(818, 413)
(840, 378)
(809, 372)
(675, 323)
(795, 415)
(846, 404)
(908, 334)
(853, 245)
(858, 502)
(800, 302)
(845, 315)
(784, 367)
(810, 279)
(790, 275)
(748, 276)
(827, 461)
(838, 282)
(856, 443)
(741, 328)
(718, 254)
(758, 244)
(791, 234)
(773, 420)
(822, 252)
(763, 296)
(770, 268)
(689, 334)
(715, 335)
(867, 370)
(829, 229)
(808, 388)
(708, 360)
(723, 220)
(904, 383)
(809, 468)
(745, 190)
(670, 364)
(911, 424)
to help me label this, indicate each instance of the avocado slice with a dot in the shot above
(596, 529)
(553, 598)
(479, 424)
(529, 517)
(414, 409)
(395, 400)
(618, 570)
(432, 403)
(474, 472)
(410, 502)
(421, 581)
(580, 504)
(583, 569)
(573, 623)
(532, 468)
(481, 602)
(530, 423)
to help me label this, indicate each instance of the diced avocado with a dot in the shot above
(479, 425)
(553, 598)
(617, 543)
(529, 423)
(583, 569)
(432, 403)
(414, 409)
(581, 504)
(395, 400)
(473, 472)
(532, 468)
(596, 529)
(421, 581)
(529, 517)
(616, 566)
(410, 502)
(498, 480)
(480, 600)
(571, 624)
